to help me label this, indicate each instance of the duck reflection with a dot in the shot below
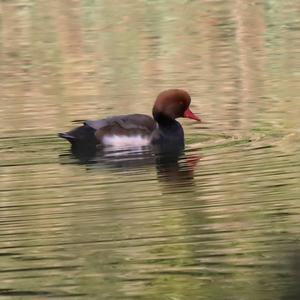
(176, 169)
(173, 166)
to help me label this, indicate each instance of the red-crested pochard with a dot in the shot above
(137, 130)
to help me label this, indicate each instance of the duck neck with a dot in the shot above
(163, 120)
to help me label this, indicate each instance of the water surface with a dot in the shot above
(219, 222)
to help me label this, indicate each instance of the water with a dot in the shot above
(219, 222)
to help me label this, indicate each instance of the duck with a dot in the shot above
(138, 130)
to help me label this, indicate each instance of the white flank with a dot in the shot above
(124, 141)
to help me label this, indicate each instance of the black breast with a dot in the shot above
(169, 136)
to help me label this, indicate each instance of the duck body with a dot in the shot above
(125, 131)
(137, 130)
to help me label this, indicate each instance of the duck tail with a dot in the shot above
(67, 136)
(83, 135)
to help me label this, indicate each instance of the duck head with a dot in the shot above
(172, 104)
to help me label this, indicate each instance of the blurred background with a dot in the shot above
(222, 221)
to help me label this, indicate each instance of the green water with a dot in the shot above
(222, 222)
